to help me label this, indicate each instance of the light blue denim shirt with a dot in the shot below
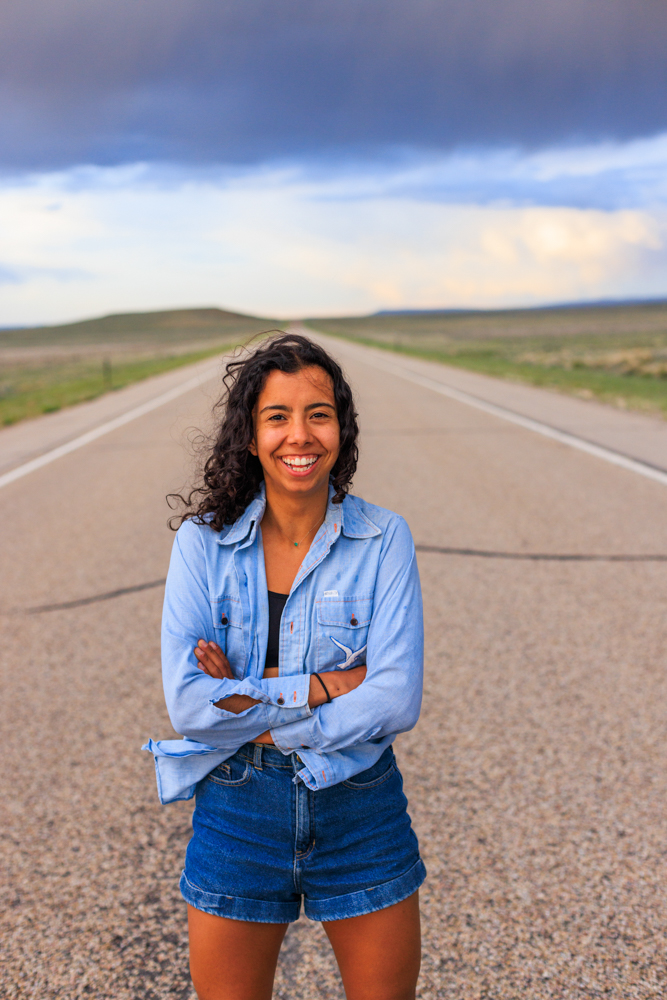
(355, 599)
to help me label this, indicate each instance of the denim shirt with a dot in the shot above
(355, 599)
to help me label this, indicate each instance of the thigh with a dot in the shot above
(379, 953)
(232, 959)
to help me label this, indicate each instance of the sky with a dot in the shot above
(319, 157)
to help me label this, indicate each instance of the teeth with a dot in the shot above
(299, 463)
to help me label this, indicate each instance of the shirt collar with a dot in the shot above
(345, 519)
(248, 520)
(354, 523)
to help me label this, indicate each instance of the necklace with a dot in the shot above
(297, 544)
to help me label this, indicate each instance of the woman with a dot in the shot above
(292, 656)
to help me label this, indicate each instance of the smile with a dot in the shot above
(300, 463)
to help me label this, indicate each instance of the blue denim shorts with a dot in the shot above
(260, 842)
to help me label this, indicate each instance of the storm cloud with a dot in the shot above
(209, 81)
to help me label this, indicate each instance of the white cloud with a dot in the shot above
(289, 242)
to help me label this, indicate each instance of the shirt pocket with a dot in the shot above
(342, 632)
(228, 631)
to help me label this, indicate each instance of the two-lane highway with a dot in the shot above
(536, 776)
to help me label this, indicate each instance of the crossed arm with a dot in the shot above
(212, 661)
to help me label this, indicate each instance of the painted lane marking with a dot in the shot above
(110, 425)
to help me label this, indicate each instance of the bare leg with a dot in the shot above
(232, 959)
(379, 953)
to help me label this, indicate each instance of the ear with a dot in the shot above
(252, 448)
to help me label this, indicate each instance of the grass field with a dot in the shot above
(43, 369)
(615, 353)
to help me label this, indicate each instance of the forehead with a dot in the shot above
(281, 387)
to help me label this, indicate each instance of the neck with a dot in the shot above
(292, 515)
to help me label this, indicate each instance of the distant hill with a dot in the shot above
(599, 304)
(632, 322)
(171, 326)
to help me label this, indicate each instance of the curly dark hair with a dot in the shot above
(231, 475)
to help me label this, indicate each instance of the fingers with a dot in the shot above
(212, 660)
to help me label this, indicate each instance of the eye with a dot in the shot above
(275, 417)
(321, 413)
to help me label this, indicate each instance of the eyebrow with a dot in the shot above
(288, 409)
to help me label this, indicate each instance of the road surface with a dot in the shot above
(536, 776)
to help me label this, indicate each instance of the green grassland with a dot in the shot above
(615, 353)
(43, 369)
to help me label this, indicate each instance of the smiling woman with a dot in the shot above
(292, 657)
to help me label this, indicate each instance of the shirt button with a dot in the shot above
(280, 700)
(353, 621)
(224, 620)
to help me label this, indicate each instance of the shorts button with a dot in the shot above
(280, 700)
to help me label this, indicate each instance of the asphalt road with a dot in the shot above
(536, 775)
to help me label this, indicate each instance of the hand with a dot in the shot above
(212, 660)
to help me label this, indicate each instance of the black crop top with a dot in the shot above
(276, 606)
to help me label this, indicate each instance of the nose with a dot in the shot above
(299, 432)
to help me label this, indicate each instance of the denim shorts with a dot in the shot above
(260, 842)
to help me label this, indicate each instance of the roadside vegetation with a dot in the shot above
(615, 353)
(44, 369)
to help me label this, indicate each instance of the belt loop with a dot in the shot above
(257, 757)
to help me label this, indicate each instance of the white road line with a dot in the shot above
(564, 437)
(110, 425)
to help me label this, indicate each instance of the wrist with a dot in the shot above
(316, 695)
(334, 684)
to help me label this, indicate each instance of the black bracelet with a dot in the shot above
(324, 686)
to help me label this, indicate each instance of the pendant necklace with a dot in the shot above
(297, 544)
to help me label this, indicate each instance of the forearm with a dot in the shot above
(335, 683)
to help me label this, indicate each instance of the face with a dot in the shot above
(297, 436)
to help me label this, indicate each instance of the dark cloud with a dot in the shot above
(205, 81)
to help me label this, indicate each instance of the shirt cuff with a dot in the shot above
(289, 700)
(275, 692)
(290, 692)
(277, 717)
(299, 738)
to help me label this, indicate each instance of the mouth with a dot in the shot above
(300, 465)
